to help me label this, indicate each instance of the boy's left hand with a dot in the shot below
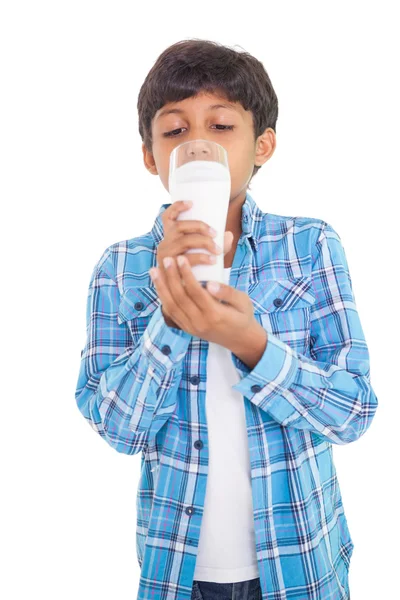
(199, 311)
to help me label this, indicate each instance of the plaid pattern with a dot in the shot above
(141, 386)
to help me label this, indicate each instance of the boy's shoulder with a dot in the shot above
(128, 261)
(298, 221)
(301, 226)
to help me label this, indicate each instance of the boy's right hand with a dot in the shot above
(180, 236)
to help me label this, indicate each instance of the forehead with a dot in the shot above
(202, 102)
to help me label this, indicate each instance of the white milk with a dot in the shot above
(208, 185)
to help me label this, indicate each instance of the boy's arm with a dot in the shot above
(330, 394)
(126, 392)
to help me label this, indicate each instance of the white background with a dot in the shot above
(73, 182)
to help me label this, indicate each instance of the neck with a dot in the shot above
(234, 224)
(234, 217)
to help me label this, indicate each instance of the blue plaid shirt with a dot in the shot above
(142, 386)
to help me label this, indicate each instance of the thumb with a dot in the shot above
(228, 239)
(226, 294)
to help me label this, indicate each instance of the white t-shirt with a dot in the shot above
(226, 552)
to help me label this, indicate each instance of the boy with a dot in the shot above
(233, 397)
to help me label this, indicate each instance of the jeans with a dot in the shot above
(241, 590)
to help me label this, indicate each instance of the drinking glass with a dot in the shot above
(199, 171)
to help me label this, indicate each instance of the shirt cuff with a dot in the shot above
(267, 384)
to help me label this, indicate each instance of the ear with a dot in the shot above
(148, 160)
(265, 147)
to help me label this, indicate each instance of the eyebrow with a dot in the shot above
(168, 111)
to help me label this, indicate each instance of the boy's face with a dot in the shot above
(196, 120)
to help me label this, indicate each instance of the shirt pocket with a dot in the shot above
(283, 308)
(136, 308)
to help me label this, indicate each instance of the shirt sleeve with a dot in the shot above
(126, 392)
(329, 394)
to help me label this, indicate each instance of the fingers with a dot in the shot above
(228, 240)
(173, 287)
(175, 209)
(182, 235)
(192, 226)
(176, 282)
(199, 258)
(199, 299)
(186, 225)
(195, 240)
(159, 277)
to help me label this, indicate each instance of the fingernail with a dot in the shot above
(167, 262)
(153, 273)
(213, 286)
(212, 231)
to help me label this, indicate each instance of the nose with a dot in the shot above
(198, 149)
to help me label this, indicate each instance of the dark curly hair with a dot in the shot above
(189, 67)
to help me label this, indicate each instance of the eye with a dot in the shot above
(224, 127)
(171, 133)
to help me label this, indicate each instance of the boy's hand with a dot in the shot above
(179, 236)
(228, 323)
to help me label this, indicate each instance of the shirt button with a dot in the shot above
(278, 301)
(189, 510)
(255, 388)
(198, 444)
(195, 379)
(139, 305)
(166, 350)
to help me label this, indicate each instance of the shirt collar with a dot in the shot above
(253, 223)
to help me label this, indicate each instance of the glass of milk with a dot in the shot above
(199, 171)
